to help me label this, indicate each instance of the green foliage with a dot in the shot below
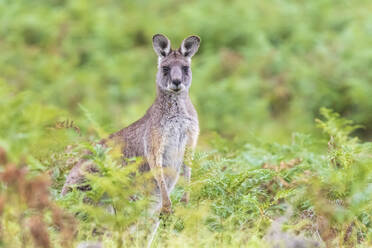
(238, 191)
(118, 196)
(269, 62)
(74, 71)
(240, 195)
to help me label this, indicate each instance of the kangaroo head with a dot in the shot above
(174, 66)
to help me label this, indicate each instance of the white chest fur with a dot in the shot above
(175, 133)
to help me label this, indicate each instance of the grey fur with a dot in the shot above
(190, 46)
(168, 132)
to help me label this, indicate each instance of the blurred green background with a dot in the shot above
(74, 71)
(263, 71)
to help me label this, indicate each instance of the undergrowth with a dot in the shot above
(74, 71)
(316, 191)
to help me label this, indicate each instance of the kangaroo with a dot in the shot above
(167, 134)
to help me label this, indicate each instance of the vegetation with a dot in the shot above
(282, 90)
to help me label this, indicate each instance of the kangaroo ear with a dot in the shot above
(190, 46)
(161, 45)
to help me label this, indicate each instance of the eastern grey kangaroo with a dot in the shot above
(167, 134)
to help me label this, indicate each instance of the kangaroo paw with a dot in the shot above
(166, 209)
(186, 197)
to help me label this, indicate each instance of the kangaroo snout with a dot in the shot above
(176, 85)
(176, 82)
(176, 76)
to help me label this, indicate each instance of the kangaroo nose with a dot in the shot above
(176, 82)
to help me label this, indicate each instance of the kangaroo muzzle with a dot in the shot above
(176, 82)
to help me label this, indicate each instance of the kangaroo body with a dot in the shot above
(162, 135)
(167, 134)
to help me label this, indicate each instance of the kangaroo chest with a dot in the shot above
(176, 132)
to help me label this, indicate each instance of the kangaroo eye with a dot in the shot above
(166, 69)
(185, 69)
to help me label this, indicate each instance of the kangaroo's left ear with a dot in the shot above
(190, 46)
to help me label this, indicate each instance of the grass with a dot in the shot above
(312, 190)
(282, 89)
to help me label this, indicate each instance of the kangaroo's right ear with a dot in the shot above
(161, 45)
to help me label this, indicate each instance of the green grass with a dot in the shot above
(273, 159)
